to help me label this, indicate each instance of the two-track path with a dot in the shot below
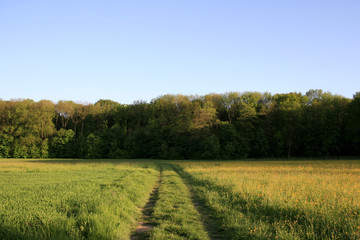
(146, 222)
(174, 210)
(212, 225)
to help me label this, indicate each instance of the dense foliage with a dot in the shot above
(215, 126)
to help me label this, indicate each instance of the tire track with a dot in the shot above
(212, 224)
(146, 223)
(175, 212)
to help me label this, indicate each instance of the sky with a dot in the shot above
(139, 50)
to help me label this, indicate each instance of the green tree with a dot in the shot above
(353, 126)
(209, 148)
(93, 149)
(62, 144)
(65, 111)
(287, 110)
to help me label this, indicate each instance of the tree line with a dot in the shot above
(233, 125)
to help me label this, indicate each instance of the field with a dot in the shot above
(153, 199)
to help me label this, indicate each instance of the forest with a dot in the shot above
(234, 125)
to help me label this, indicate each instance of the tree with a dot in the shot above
(231, 144)
(65, 111)
(323, 124)
(353, 126)
(230, 102)
(204, 115)
(287, 110)
(228, 126)
(209, 148)
(93, 149)
(260, 144)
(62, 144)
(43, 112)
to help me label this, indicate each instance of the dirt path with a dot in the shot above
(210, 223)
(145, 224)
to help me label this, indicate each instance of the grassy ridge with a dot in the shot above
(174, 212)
(81, 200)
(281, 200)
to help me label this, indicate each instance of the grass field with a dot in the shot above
(127, 199)
(72, 199)
(281, 199)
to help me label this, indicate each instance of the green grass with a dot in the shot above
(102, 199)
(174, 212)
(80, 200)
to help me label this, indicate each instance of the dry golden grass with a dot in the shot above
(286, 199)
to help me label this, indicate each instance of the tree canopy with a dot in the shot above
(215, 126)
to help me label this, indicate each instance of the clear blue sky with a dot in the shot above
(138, 50)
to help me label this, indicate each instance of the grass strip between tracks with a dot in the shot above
(174, 211)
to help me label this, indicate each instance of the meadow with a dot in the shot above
(154, 199)
(72, 199)
(281, 199)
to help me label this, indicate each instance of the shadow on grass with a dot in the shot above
(147, 220)
(7, 232)
(211, 222)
